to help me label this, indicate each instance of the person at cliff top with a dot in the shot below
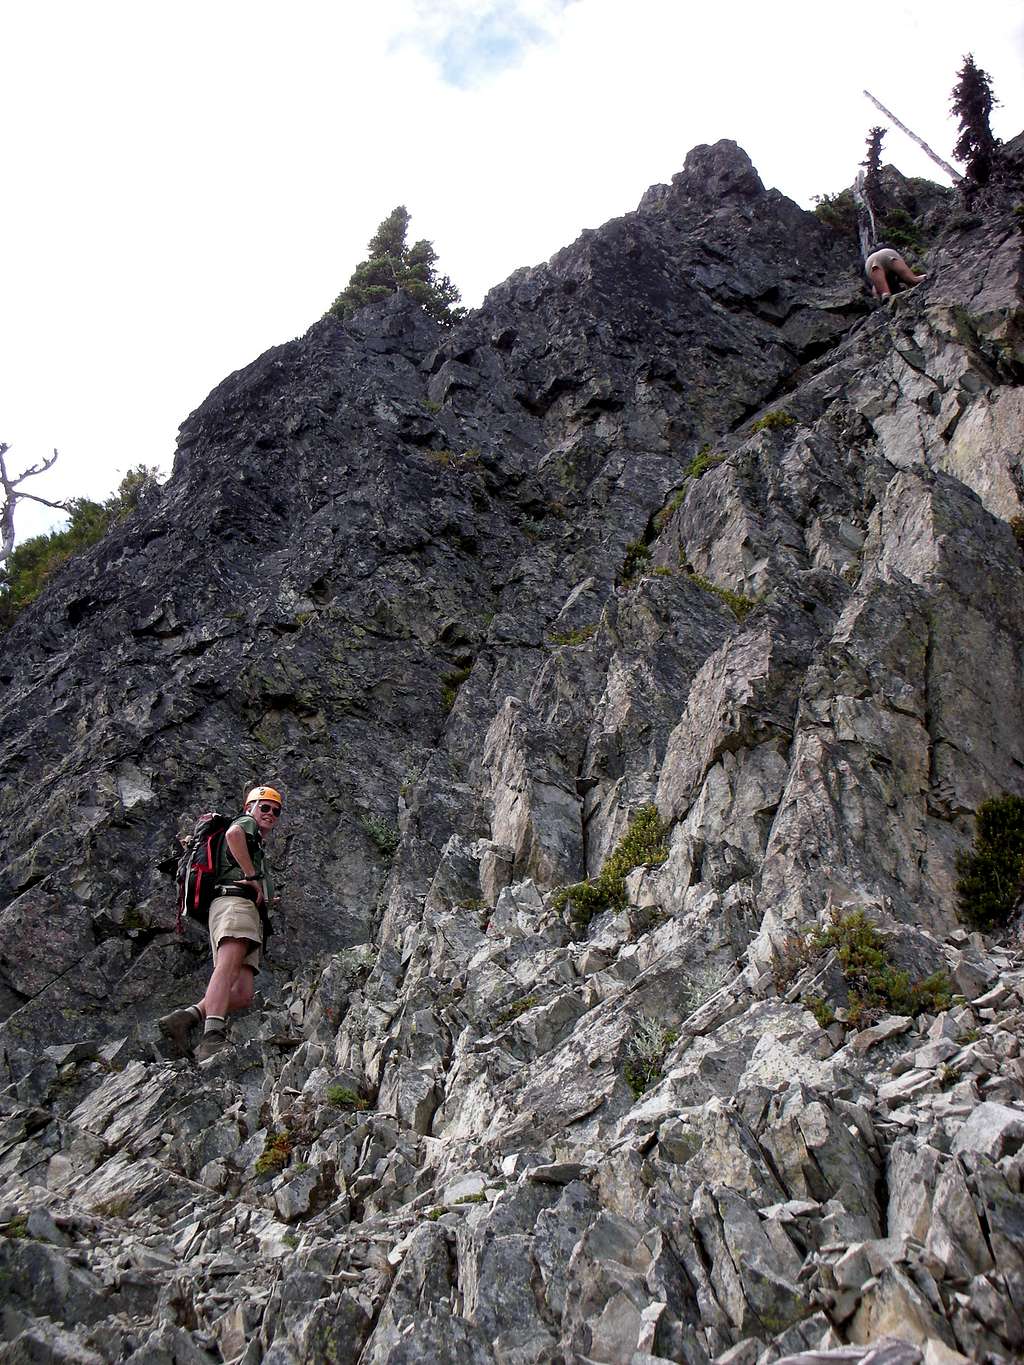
(883, 263)
(244, 888)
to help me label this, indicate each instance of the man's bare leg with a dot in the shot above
(231, 985)
(178, 1026)
(903, 271)
(242, 992)
(230, 988)
(879, 282)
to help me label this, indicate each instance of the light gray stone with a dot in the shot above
(994, 1130)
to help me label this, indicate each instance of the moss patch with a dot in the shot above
(572, 638)
(451, 684)
(517, 1008)
(704, 460)
(662, 518)
(740, 606)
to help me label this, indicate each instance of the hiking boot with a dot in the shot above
(210, 1045)
(177, 1028)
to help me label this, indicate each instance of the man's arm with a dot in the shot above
(238, 847)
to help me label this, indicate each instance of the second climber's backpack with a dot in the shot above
(197, 867)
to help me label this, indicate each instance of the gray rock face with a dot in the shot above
(472, 599)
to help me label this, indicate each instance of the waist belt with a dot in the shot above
(248, 893)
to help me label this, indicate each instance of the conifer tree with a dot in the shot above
(869, 189)
(872, 162)
(391, 265)
(972, 104)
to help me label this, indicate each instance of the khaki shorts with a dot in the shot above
(885, 257)
(236, 917)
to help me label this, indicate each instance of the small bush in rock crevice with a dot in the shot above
(645, 1053)
(517, 1008)
(704, 460)
(775, 420)
(991, 878)
(343, 1097)
(837, 211)
(823, 1012)
(277, 1151)
(636, 562)
(383, 834)
(702, 985)
(874, 986)
(662, 518)
(643, 844)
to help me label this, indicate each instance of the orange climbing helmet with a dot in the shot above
(264, 794)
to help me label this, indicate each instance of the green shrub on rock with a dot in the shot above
(277, 1151)
(838, 211)
(991, 878)
(740, 606)
(344, 1097)
(382, 832)
(643, 844)
(702, 462)
(874, 985)
(636, 562)
(645, 1053)
(775, 420)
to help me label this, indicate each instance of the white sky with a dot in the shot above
(186, 185)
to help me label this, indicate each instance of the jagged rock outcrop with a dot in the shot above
(676, 518)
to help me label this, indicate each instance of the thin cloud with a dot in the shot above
(470, 45)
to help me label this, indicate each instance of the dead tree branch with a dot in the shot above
(954, 175)
(12, 495)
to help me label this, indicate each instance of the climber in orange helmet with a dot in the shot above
(243, 897)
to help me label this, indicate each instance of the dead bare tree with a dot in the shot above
(13, 494)
(953, 174)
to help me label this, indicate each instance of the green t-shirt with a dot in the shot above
(229, 871)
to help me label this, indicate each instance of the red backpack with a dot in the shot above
(197, 868)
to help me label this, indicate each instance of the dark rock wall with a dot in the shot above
(365, 514)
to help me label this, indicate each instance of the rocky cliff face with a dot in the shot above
(677, 519)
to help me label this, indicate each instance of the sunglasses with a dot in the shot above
(265, 808)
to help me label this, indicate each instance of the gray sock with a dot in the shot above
(215, 1023)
